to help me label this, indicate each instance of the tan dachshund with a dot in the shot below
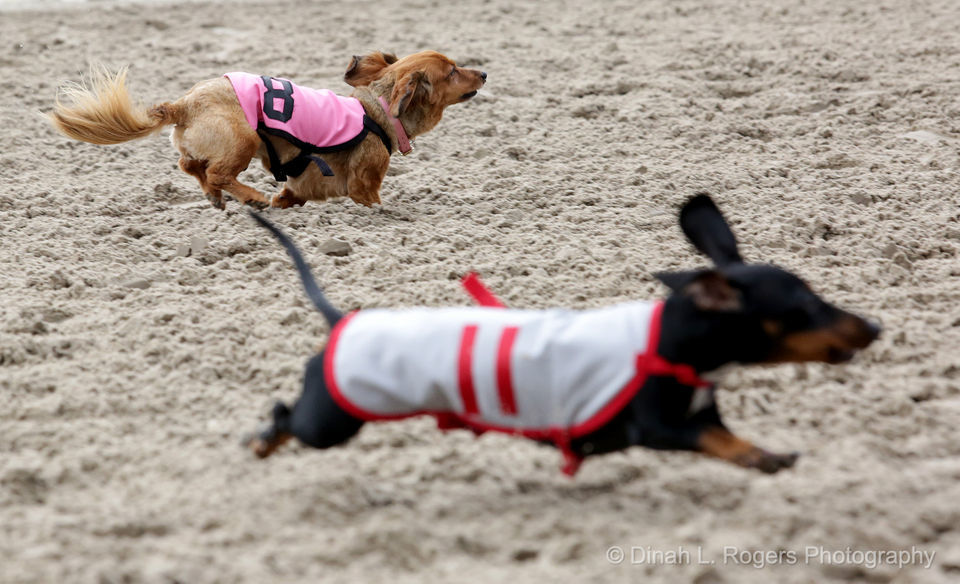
(222, 123)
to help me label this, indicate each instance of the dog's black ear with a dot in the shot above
(709, 289)
(364, 70)
(705, 227)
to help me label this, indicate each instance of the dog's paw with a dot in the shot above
(265, 440)
(258, 205)
(285, 200)
(260, 447)
(767, 462)
(217, 202)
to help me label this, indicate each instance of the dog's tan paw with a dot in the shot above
(264, 442)
(284, 200)
(258, 205)
(217, 202)
(767, 462)
(260, 447)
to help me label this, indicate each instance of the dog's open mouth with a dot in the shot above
(467, 96)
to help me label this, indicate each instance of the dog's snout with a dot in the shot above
(865, 333)
(483, 76)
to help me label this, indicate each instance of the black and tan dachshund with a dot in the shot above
(589, 382)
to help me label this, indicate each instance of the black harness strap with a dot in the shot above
(325, 169)
(296, 166)
(276, 167)
(374, 127)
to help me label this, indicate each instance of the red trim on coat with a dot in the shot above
(334, 389)
(623, 397)
(508, 401)
(468, 393)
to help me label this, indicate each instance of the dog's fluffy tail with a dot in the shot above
(100, 111)
(310, 286)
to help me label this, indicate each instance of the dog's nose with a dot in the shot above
(483, 75)
(869, 331)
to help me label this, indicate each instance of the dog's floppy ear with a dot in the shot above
(367, 69)
(709, 289)
(409, 89)
(705, 227)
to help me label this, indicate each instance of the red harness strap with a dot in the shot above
(479, 291)
(684, 374)
(571, 460)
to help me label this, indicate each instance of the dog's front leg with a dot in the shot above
(364, 187)
(367, 169)
(719, 442)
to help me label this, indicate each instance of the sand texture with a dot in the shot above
(142, 331)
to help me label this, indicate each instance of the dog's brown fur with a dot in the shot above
(216, 144)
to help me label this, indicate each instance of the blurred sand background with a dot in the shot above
(142, 332)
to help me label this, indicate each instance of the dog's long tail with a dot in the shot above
(101, 112)
(310, 286)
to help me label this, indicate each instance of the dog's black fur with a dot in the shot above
(730, 313)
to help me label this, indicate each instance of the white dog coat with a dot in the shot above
(546, 374)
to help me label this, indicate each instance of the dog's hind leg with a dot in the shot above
(198, 169)
(222, 175)
(276, 434)
(216, 143)
(315, 420)
(220, 178)
(214, 180)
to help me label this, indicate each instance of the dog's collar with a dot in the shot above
(683, 373)
(403, 142)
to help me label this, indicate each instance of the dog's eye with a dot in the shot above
(452, 71)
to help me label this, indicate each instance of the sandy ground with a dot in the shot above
(827, 130)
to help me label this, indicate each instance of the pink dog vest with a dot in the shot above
(549, 375)
(315, 120)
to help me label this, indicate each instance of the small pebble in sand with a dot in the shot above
(335, 247)
(197, 245)
(139, 283)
